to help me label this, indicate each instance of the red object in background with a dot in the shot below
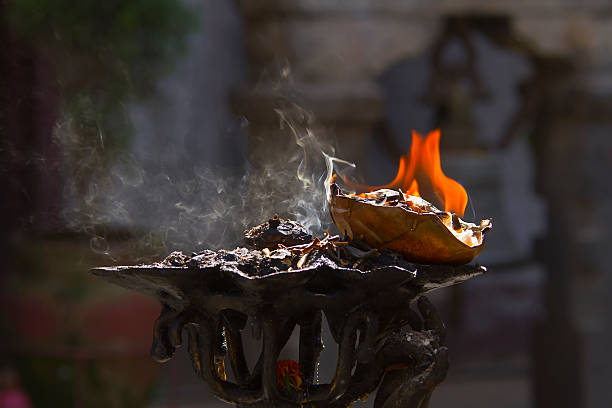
(288, 375)
(32, 319)
(125, 320)
(118, 324)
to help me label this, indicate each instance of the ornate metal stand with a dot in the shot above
(383, 343)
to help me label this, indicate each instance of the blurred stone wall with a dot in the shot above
(539, 163)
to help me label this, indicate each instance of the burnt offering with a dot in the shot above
(395, 217)
(287, 278)
(407, 224)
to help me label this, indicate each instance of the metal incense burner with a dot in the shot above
(285, 279)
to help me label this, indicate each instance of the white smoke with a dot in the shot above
(199, 207)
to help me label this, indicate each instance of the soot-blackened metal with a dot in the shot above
(383, 344)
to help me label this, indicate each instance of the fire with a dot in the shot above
(423, 160)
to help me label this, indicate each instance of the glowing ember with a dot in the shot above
(423, 161)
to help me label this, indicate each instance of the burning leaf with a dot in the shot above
(409, 225)
(387, 218)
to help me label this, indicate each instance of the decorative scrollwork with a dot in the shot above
(404, 354)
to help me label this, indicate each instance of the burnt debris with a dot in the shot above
(276, 231)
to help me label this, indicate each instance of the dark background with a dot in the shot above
(132, 128)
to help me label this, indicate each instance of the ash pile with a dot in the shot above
(284, 246)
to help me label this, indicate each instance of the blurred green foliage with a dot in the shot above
(103, 53)
(100, 55)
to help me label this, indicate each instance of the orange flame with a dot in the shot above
(424, 158)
